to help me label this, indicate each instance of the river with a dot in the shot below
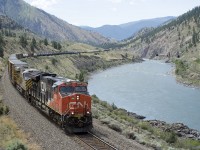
(148, 89)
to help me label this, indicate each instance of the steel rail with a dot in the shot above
(95, 142)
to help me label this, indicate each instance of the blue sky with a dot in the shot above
(100, 12)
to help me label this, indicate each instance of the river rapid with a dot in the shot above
(148, 89)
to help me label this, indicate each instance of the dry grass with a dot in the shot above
(9, 132)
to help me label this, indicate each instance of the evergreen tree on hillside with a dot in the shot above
(56, 45)
(194, 37)
(46, 42)
(81, 77)
(23, 41)
(33, 44)
(2, 44)
(1, 51)
(59, 46)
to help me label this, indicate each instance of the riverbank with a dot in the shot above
(155, 134)
(187, 72)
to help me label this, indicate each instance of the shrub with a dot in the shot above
(146, 126)
(181, 67)
(115, 127)
(53, 61)
(95, 99)
(171, 138)
(114, 106)
(46, 67)
(104, 103)
(197, 60)
(95, 114)
(105, 121)
(3, 109)
(130, 135)
(16, 145)
(188, 143)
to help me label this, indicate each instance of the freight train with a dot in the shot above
(65, 101)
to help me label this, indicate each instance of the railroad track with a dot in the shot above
(94, 142)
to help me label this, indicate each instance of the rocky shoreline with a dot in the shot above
(179, 129)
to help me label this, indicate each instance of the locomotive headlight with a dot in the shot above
(88, 112)
(72, 113)
(77, 97)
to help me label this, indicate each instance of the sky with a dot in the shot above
(96, 13)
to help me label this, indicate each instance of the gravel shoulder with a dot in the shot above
(114, 138)
(47, 134)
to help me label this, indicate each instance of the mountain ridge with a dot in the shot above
(47, 25)
(125, 30)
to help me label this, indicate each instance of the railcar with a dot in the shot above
(64, 100)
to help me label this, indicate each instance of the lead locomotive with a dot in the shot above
(66, 101)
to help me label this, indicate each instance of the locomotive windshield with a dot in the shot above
(66, 90)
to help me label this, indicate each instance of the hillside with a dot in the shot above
(47, 25)
(112, 124)
(123, 31)
(179, 38)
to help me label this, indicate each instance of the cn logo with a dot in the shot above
(75, 104)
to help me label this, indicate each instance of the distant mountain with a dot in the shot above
(123, 31)
(47, 25)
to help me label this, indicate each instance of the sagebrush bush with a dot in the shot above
(105, 121)
(115, 127)
(169, 137)
(3, 109)
(95, 99)
(146, 126)
(130, 134)
(16, 145)
(95, 114)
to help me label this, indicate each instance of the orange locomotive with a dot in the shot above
(66, 101)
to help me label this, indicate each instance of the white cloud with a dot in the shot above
(114, 9)
(44, 4)
(116, 1)
(134, 2)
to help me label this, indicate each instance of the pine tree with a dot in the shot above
(59, 46)
(81, 77)
(46, 42)
(32, 47)
(23, 41)
(34, 42)
(2, 43)
(194, 37)
(1, 51)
